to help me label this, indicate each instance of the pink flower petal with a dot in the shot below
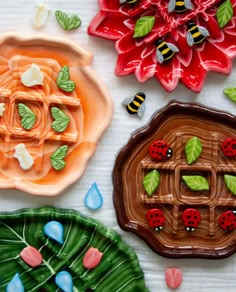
(126, 44)
(174, 278)
(215, 32)
(138, 9)
(108, 26)
(214, 59)
(228, 45)
(146, 69)
(128, 63)
(92, 258)
(31, 256)
(109, 6)
(194, 75)
(168, 73)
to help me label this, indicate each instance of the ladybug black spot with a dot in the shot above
(188, 216)
(151, 216)
(157, 215)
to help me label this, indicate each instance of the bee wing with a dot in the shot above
(122, 1)
(188, 4)
(189, 39)
(171, 5)
(173, 47)
(141, 110)
(204, 31)
(127, 100)
(160, 57)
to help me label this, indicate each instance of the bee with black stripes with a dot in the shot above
(131, 2)
(179, 6)
(135, 104)
(196, 34)
(165, 51)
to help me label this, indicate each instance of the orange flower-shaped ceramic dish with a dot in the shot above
(48, 134)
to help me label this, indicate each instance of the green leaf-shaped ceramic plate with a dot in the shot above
(118, 269)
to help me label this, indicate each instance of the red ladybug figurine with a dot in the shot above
(191, 218)
(228, 147)
(160, 150)
(155, 219)
(227, 220)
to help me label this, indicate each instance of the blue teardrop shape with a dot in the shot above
(93, 199)
(15, 284)
(64, 281)
(55, 231)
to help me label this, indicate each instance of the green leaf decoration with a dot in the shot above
(231, 93)
(28, 116)
(230, 182)
(151, 181)
(67, 22)
(63, 80)
(193, 149)
(143, 26)
(196, 182)
(224, 13)
(57, 158)
(61, 120)
(119, 268)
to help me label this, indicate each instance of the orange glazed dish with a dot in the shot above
(53, 110)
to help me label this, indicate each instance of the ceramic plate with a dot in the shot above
(181, 202)
(48, 132)
(169, 40)
(63, 246)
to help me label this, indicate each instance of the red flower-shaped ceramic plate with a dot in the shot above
(191, 62)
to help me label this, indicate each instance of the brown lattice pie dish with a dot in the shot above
(177, 124)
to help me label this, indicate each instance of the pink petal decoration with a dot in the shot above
(190, 65)
(174, 277)
(92, 258)
(31, 256)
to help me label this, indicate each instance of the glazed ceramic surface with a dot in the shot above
(176, 124)
(118, 268)
(139, 55)
(199, 275)
(81, 116)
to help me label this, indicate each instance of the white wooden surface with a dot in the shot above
(199, 274)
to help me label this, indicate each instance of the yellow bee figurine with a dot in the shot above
(196, 34)
(131, 2)
(135, 104)
(165, 51)
(179, 6)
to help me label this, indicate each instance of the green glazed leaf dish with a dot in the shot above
(49, 249)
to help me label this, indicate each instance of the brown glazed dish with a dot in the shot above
(176, 124)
